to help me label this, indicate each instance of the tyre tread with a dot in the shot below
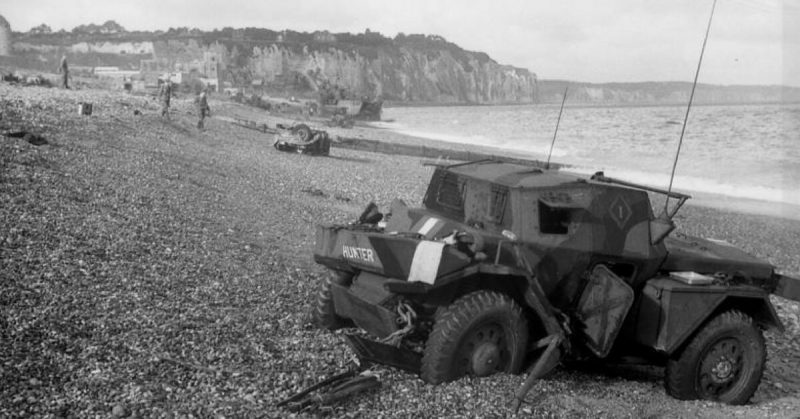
(679, 377)
(451, 322)
(324, 313)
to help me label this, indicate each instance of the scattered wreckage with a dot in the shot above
(15, 78)
(302, 139)
(30, 137)
(507, 265)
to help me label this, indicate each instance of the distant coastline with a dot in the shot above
(571, 104)
(639, 94)
(662, 93)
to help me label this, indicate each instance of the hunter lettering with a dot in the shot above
(358, 253)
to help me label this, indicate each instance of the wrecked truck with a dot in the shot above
(508, 265)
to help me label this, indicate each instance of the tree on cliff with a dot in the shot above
(109, 27)
(42, 29)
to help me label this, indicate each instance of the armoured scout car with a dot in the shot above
(506, 263)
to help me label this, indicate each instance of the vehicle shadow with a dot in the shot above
(633, 372)
(352, 159)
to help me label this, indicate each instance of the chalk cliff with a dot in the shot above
(407, 68)
(402, 74)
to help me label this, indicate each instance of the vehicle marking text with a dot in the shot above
(358, 253)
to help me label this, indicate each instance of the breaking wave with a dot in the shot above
(691, 184)
(737, 152)
(480, 140)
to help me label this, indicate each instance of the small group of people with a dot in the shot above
(201, 103)
(165, 94)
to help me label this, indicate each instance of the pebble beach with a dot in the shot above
(150, 269)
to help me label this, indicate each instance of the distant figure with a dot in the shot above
(202, 109)
(64, 70)
(165, 94)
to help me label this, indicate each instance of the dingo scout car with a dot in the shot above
(506, 264)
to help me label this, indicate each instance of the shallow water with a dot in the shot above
(737, 151)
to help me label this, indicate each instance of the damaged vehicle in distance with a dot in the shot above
(302, 139)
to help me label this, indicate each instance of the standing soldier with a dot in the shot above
(165, 94)
(64, 70)
(202, 109)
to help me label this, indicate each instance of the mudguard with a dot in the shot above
(670, 312)
(787, 287)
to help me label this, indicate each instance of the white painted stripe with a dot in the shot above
(425, 264)
(428, 226)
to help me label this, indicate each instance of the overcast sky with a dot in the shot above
(751, 41)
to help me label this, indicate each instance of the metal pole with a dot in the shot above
(686, 117)
(564, 99)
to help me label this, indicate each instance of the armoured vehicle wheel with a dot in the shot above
(303, 132)
(723, 362)
(324, 313)
(479, 334)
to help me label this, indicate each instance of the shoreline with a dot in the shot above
(699, 197)
(152, 268)
(579, 105)
(745, 206)
(387, 134)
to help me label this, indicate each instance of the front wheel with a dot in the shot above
(723, 362)
(481, 333)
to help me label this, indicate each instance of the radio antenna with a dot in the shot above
(686, 117)
(564, 99)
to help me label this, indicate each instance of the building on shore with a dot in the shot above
(204, 71)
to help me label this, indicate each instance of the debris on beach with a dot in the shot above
(19, 79)
(341, 121)
(30, 137)
(84, 108)
(370, 110)
(302, 139)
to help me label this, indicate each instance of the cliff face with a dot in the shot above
(401, 74)
(416, 68)
(397, 73)
(662, 93)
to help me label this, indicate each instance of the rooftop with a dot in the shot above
(514, 175)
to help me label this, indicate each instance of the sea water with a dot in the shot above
(748, 156)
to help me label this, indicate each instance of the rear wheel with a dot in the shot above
(723, 362)
(303, 132)
(324, 312)
(479, 334)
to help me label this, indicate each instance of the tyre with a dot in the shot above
(723, 362)
(303, 132)
(324, 313)
(479, 334)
